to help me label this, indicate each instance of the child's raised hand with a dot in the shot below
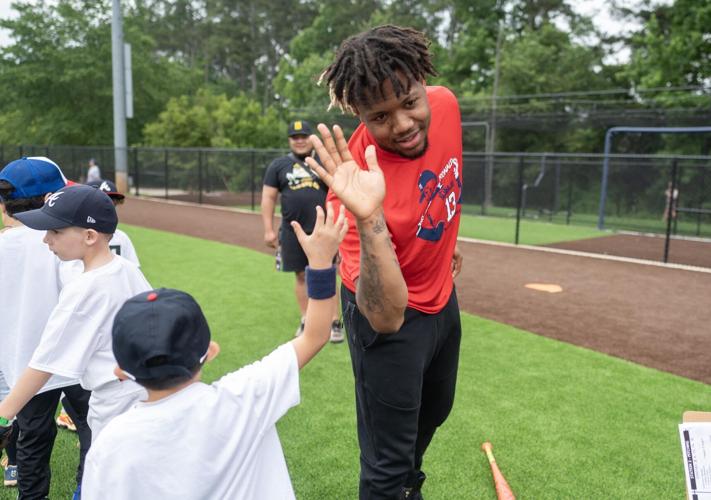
(322, 244)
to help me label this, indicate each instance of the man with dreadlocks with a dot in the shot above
(400, 178)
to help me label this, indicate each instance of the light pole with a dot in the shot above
(491, 143)
(117, 69)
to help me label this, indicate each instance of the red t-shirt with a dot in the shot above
(422, 206)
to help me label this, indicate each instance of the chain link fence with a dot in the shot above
(645, 194)
(566, 189)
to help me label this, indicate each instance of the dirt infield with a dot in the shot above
(650, 247)
(655, 316)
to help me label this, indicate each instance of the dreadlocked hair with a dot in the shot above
(365, 61)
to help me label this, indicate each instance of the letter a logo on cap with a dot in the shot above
(53, 198)
(297, 125)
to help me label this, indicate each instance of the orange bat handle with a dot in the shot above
(503, 490)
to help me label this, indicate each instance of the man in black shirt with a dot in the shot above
(301, 191)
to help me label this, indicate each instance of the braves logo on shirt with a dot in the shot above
(441, 195)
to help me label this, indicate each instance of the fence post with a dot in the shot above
(570, 196)
(165, 172)
(136, 174)
(519, 198)
(670, 210)
(206, 171)
(556, 191)
(487, 166)
(253, 185)
(701, 201)
(200, 176)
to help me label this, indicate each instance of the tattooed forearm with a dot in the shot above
(381, 292)
(370, 286)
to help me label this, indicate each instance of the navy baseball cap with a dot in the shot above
(79, 205)
(158, 334)
(107, 187)
(32, 176)
(299, 127)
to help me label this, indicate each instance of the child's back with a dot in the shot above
(225, 432)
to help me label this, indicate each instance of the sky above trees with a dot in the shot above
(232, 72)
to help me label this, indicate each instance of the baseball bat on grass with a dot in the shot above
(503, 490)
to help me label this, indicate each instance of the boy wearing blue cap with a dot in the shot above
(76, 341)
(32, 277)
(158, 449)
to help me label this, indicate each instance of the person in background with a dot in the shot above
(301, 190)
(94, 173)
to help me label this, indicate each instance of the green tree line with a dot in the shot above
(230, 73)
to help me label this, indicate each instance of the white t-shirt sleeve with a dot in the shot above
(72, 334)
(269, 387)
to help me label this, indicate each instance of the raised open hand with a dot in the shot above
(322, 244)
(361, 191)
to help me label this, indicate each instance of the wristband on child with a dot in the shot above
(321, 283)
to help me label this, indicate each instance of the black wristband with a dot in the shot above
(321, 283)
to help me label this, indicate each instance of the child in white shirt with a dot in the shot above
(191, 440)
(76, 341)
(32, 277)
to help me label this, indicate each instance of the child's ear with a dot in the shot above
(91, 236)
(212, 351)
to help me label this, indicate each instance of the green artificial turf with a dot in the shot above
(530, 232)
(565, 422)
(503, 229)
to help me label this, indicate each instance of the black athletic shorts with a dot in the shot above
(293, 258)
